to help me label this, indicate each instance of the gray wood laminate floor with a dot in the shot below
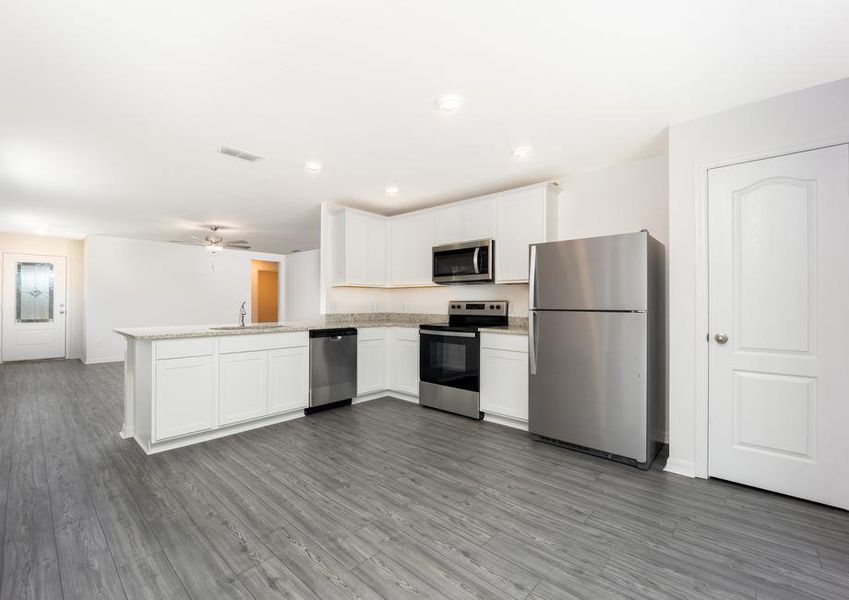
(381, 500)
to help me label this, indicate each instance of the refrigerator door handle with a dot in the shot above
(532, 343)
(532, 287)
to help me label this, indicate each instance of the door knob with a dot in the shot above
(721, 338)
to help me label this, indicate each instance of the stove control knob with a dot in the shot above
(491, 306)
(498, 306)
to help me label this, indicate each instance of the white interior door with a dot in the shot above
(779, 291)
(33, 307)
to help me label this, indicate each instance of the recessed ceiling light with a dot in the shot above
(449, 103)
(392, 191)
(312, 166)
(522, 151)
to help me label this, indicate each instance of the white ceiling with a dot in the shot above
(111, 112)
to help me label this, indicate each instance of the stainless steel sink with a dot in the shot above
(254, 326)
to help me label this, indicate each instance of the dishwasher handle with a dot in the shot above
(334, 334)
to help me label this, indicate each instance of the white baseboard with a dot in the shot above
(100, 361)
(687, 468)
(188, 440)
(506, 421)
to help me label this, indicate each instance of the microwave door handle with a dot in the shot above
(475, 260)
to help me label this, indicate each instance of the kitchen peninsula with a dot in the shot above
(188, 384)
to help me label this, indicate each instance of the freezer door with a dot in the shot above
(603, 273)
(587, 382)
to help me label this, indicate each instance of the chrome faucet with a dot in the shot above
(242, 314)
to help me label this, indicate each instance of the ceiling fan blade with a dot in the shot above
(238, 246)
(236, 241)
(189, 243)
(194, 237)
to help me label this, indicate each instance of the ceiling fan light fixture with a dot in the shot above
(214, 249)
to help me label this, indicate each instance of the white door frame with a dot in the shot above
(67, 294)
(702, 424)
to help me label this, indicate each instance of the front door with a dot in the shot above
(33, 307)
(779, 324)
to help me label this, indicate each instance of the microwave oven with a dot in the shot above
(465, 262)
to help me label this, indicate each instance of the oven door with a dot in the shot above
(450, 358)
(463, 263)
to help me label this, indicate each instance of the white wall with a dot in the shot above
(301, 287)
(619, 199)
(808, 118)
(72, 250)
(135, 283)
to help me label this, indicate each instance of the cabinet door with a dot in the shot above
(405, 366)
(185, 396)
(356, 247)
(520, 222)
(376, 252)
(478, 220)
(448, 225)
(504, 383)
(371, 366)
(242, 386)
(412, 245)
(288, 379)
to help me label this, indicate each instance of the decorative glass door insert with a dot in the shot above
(34, 292)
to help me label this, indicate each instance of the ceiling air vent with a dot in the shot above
(236, 153)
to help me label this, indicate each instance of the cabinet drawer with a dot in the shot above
(262, 341)
(502, 341)
(365, 334)
(184, 348)
(406, 333)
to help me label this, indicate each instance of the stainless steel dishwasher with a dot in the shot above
(333, 367)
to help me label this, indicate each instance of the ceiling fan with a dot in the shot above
(214, 243)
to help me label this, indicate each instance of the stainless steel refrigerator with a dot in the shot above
(597, 345)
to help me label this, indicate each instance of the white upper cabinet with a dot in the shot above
(448, 225)
(522, 217)
(361, 249)
(377, 251)
(464, 222)
(478, 220)
(412, 245)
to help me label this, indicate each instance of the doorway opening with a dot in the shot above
(265, 291)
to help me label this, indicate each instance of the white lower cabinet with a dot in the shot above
(288, 379)
(504, 376)
(371, 360)
(207, 387)
(242, 386)
(404, 359)
(185, 396)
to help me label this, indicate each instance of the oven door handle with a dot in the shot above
(463, 334)
(475, 260)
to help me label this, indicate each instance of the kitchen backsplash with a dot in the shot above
(423, 300)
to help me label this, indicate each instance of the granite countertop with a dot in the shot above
(517, 326)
